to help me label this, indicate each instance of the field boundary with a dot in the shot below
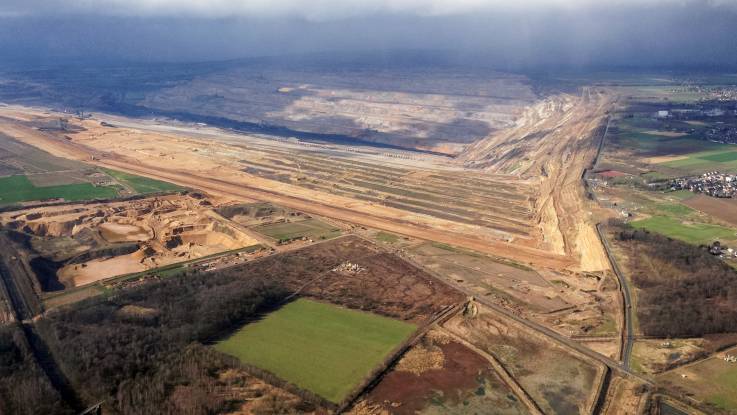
(378, 373)
(502, 372)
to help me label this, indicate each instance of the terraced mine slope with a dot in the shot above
(552, 144)
(407, 193)
(436, 110)
(515, 194)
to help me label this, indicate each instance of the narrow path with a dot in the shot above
(628, 332)
(541, 329)
(500, 370)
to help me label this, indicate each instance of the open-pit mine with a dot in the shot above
(325, 194)
(513, 202)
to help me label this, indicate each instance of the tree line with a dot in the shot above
(142, 350)
(684, 290)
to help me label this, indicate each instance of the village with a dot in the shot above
(722, 134)
(714, 184)
(718, 93)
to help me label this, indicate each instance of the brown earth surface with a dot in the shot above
(382, 283)
(164, 230)
(558, 381)
(724, 209)
(553, 142)
(460, 382)
(152, 155)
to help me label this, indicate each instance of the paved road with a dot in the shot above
(628, 334)
(627, 341)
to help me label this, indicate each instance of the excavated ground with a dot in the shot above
(415, 195)
(94, 241)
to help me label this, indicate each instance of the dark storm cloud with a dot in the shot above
(503, 33)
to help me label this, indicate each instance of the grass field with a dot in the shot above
(386, 237)
(16, 189)
(141, 184)
(310, 228)
(680, 194)
(722, 158)
(694, 233)
(652, 137)
(675, 209)
(712, 380)
(320, 347)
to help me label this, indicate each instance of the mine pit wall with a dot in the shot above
(17, 208)
(7, 313)
(46, 269)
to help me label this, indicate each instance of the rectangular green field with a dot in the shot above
(311, 228)
(141, 184)
(16, 189)
(694, 233)
(323, 348)
(723, 158)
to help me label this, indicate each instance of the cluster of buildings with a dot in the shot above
(696, 113)
(713, 184)
(709, 93)
(717, 249)
(722, 134)
(728, 93)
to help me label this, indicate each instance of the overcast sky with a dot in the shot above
(501, 32)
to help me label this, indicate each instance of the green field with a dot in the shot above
(310, 228)
(674, 209)
(712, 380)
(386, 237)
(694, 233)
(680, 194)
(723, 158)
(141, 184)
(320, 347)
(699, 155)
(16, 189)
(724, 394)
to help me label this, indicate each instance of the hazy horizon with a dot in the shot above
(582, 33)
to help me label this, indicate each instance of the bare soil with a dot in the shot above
(559, 382)
(553, 142)
(462, 382)
(723, 209)
(216, 167)
(95, 241)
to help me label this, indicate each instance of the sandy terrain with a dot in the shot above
(118, 232)
(100, 269)
(541, 158)
(724, 209)
(210, 166)
(133, 236)
(553, 142)
(423, 109)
